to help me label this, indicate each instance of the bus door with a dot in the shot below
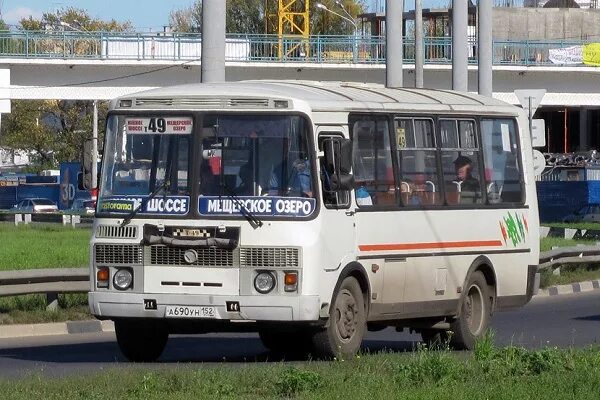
(337, 230)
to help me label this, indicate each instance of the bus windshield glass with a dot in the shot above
(144, 155)
(260, 162)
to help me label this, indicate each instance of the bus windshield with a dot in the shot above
(259, 164)
(141, 155)
(244, 157)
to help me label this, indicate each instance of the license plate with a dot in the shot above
(190, 312)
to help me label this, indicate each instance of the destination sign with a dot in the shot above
(260, 206)
(169, 205)
(159, 125)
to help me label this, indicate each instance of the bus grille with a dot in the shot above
(269, 257)
(118, 254)
(116, 232)
(207, 257)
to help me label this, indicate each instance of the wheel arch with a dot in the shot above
(357, 271)
(485, 265)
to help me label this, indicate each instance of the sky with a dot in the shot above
(145, 15)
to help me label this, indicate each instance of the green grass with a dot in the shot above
(570, 274)
(488, 373)
(548, 242)
(43, 246)
(31, 309)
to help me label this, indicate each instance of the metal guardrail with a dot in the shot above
(76, 280)
(259, 48)
(57, 280)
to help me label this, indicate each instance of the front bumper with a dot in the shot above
(252, 308)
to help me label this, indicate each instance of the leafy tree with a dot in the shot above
(260, 16)
(53, 131)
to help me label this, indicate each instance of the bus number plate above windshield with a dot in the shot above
(159, 125)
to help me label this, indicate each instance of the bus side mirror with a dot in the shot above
(87, 165)
(338, 163)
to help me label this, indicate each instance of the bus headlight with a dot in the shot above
(123, 279)
(264, 282)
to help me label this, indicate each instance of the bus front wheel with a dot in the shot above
(475, 313)
(343, 333)
(141, 340)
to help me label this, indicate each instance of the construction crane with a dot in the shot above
(293, 27)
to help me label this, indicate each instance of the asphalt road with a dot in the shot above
(564, 321)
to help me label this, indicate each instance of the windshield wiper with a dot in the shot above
(164, 186)
(252, 219)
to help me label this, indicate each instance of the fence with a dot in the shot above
(258, 48)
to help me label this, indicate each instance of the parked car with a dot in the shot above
(589, 212)
(37, 205)
(83, 206)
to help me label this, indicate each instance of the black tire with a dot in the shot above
(141, 340)
(285, 341)
(344, 332)
(475, 313)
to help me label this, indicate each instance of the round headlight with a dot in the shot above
(264, 282)
(123, 279)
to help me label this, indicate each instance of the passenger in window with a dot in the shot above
(469, 186)
(294, 181)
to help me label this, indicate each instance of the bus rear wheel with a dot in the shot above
(347, 324)
(141, 340)
(475, 313)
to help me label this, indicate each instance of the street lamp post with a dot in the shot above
(348, 19)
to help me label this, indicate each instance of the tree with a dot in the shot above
(260, 16)
(53, 131)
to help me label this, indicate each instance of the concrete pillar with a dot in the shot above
(460, 45)
(484, 47)
(584, 137)
(213, 41)
(393, 42)
(419, 51)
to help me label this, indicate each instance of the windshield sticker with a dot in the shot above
(259, 206)
(166, 125)
(169, 205)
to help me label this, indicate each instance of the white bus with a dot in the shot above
(310, 213)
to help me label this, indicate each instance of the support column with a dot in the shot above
(584, 136)
(393, 42)
(95, 147)
(484, 47)
(213, 41)
(460, 45)
(419, 52)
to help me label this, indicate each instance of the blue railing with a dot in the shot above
(258, 48)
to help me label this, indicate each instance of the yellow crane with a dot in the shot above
(293, 28)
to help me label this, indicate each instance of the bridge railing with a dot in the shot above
(259, 48)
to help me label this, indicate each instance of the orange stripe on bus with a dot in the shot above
(432, 245)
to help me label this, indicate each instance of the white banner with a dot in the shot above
(567, 55)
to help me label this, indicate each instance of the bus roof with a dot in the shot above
(320, 96)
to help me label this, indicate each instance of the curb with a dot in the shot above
(571, 288)
(55, 328)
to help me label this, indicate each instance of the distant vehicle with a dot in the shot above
(589, 212)
(37, 205)
(83, 206)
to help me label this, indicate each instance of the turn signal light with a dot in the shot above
(102, 277)
(290, 281)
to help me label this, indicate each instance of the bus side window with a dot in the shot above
(331, 199)
(372, 164)
(415, 141)
(503, 181)
(460, 161)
